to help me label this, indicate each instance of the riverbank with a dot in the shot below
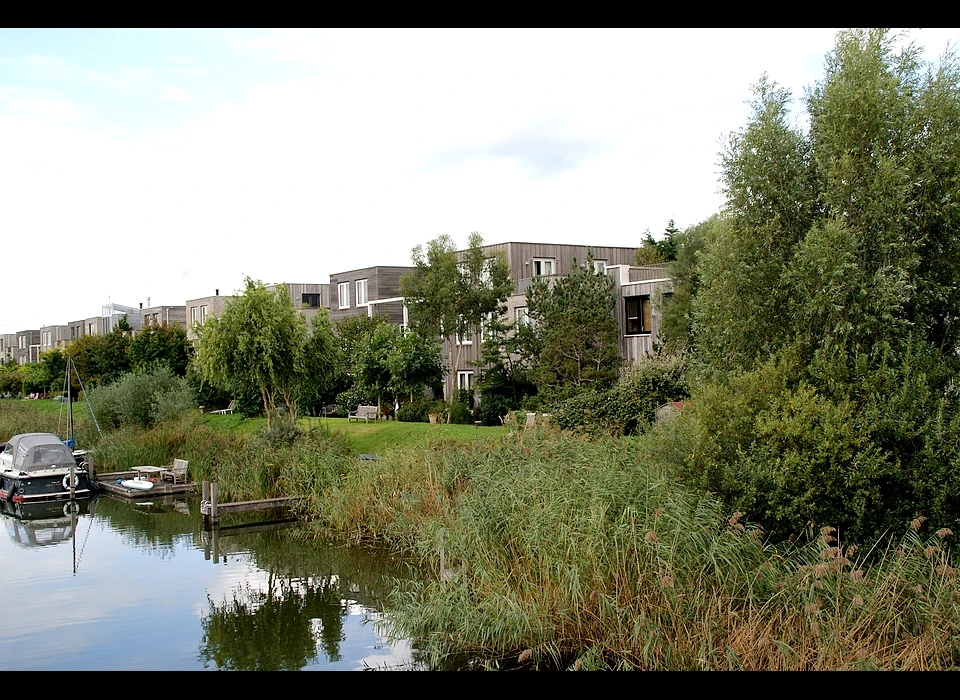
(554, 550)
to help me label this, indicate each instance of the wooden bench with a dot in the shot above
(365, 412)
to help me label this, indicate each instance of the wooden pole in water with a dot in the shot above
(213, 503)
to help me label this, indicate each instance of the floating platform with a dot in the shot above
(108, 484)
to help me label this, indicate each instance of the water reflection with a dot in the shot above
(277, 629)
(134, 586)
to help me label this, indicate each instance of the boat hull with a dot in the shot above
(44, 487)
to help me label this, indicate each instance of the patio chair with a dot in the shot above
(177, 471)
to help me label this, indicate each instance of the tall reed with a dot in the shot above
(559, 551)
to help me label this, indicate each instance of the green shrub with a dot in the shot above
(414, 412)
(347, 401)
(142, 398)
(493, 408)
(625, 408)
(461, 414)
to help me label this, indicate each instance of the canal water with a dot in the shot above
(114, 585)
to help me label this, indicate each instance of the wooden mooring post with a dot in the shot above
(212, 509)
(208, 503)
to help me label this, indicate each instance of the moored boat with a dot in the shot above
(38, 466)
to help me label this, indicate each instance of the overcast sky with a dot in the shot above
(158, 166)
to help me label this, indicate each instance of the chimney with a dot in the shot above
(141, 306)
(218, 292)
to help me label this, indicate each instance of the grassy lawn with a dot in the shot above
(369, 438)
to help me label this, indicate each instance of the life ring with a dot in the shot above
(71, 507)
(66, 481)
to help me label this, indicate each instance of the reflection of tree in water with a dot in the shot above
(273, 629)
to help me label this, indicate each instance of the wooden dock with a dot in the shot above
(211, 509)
(108, 484)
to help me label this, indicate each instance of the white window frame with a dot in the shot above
(600, 266)
(537, 268)
(521, 317)
(464, 375)
(464, 341)
(483, 325)
(203, 314)
(343, 295)
(361, 293)
(194, 311)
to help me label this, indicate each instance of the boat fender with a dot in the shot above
(66, 481)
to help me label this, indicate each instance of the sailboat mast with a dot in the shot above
(70, 406)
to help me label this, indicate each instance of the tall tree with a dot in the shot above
(164, 344)
(259, 341)
(101, 359)
(449, 294)
(572, 338)
(321, 363)
(415, 364)
(827, 311)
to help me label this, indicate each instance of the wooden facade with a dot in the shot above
(382, 285)
(639, 288)
(163, 315)
(199, 310)
(527, 261)
(8, 347)
(53, 337)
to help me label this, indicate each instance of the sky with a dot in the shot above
(156, 166)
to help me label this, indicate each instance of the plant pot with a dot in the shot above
(433, 418)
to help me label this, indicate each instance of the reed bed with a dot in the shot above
(555, 551)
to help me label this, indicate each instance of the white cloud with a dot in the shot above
(373, 143)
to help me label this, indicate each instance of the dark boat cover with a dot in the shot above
(34, 452)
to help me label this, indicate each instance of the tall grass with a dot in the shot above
(244, 466)
(18, 416)
(559, 551)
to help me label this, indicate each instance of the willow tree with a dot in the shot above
(259, 341)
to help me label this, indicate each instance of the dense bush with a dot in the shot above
(142, 398)
(625, 408)
(493, 408)
(347, 401)
(460, 414)
(414, 412)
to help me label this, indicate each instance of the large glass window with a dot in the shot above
(638, 314)
(343, 295)
(310, 301)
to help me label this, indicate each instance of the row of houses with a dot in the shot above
(376, 290)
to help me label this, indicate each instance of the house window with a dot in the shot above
(465, 381)
(203, 314)
(600, 266)
(310, 301)
(468, 340)
(638, 314)
(520, 316)
(193, 314)
(487, 320)
(361, 292)
(343, 295)
(542, 266)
